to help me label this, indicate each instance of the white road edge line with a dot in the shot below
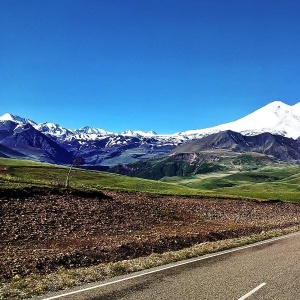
(174, 265)
(252, 291)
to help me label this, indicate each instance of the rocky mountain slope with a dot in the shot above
(279, 147)
(102, 149)
(216, 152)
(23, 140)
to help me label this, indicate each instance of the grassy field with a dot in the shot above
(23, 173)
(276, 183)
(271, 182)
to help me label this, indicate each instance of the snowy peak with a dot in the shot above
(138, 133)
(276, 105)
(16, 119)
(92, 130)
(52, 129)
(276, 118)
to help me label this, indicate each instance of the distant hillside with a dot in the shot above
(276, 146)
(226, 150)
(8, 152)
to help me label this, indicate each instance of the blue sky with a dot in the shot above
(163, 65)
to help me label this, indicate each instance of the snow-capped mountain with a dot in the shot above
(138, 133)
(103, 148)
(52, 129)
(92, 130)
(276, 118)
(97, 146)
(25, 141)
(16, 119)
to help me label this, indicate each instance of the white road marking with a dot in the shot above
(252, 291)
(175, 265)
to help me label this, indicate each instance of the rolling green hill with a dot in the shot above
(273, 182)
(281, 182)
(187, 164)
(23, 174)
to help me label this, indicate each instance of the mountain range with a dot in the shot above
(225, 150)
(271, 129)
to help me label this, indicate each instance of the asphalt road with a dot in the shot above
(264, 271)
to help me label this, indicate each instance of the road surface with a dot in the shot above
(268, 270)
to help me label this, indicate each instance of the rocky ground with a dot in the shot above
(41, 232)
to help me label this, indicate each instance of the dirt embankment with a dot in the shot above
(43, 232)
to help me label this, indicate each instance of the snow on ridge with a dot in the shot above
(138, 133)
(52, 129)
(275, 117)
(15, 118)
(92, 130)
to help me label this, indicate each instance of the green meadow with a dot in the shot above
(268, 183)
(23, 174)
(281, 182)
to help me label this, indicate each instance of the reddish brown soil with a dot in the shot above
(42, 232)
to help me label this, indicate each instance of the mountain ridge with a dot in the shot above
(226, 150)
(275, 117)
(264, 143)
(99, 147)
